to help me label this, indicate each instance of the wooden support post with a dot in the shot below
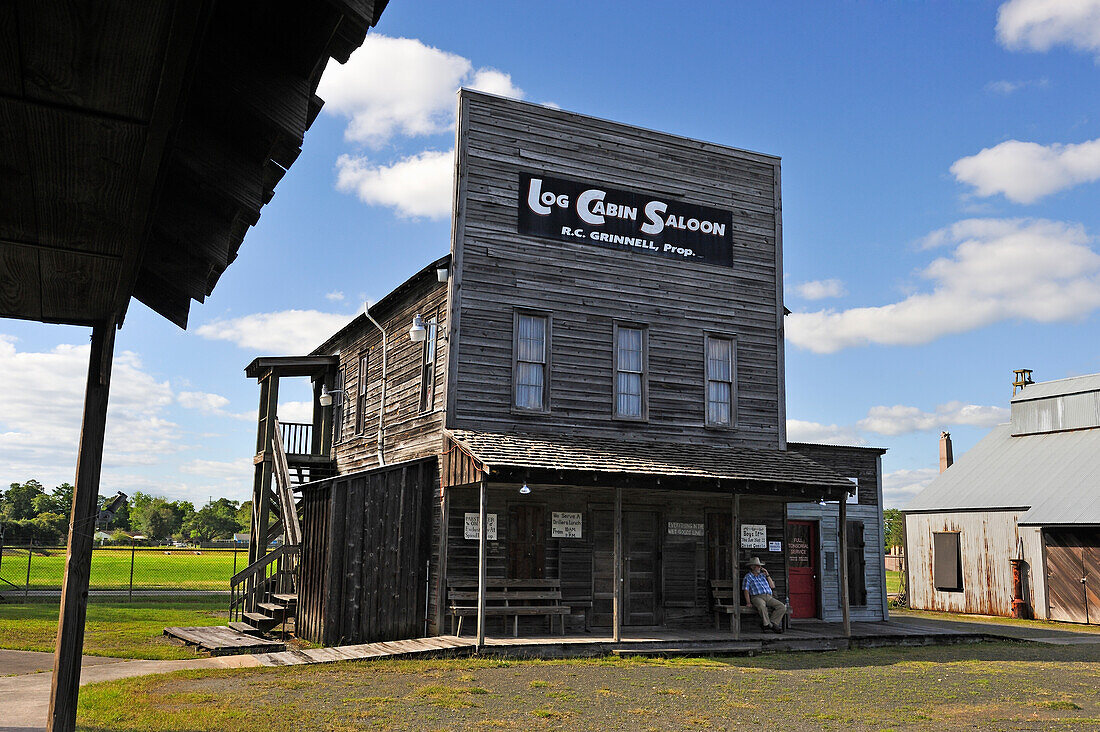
(617, 578)
(261, 487)
(842, 565)
(482, 562)
(78, 559)
(735, 566)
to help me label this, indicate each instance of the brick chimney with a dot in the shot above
(947, 457)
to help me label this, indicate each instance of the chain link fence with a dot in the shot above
(30, 573)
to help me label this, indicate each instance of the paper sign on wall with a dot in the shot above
(754, 536)
(775, 546)
(565, 525)
(470, 530)
(676, 528)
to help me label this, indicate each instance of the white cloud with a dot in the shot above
(900, 419)
(1000, 269)
(208, 403)
(1024, 172)
(335, 296)
(1039, 25)
(416, 186)
(400, 86)
(296, 412)
(900, 486)
(1005, 87)
(821, 289)
(822, 434)
(292, 332)
(234, 471)
(41, 405)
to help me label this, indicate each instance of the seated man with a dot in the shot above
(758, 586)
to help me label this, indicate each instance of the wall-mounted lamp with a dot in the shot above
(417, 333)
(326, 396)
(525, 490)
(443, 273)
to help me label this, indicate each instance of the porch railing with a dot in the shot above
(275, 574)
(297, 437)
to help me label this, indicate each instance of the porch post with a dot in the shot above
(842, 564)
(617, 559)
(735, 567)
(482, 532)
(78, 559)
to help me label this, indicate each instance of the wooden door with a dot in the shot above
(603, 566)
(802, 568)
(526, 542)
(1066, 579)
(1090, 556)
(641, 573)
(719, 545)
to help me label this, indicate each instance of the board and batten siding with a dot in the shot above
(586, 289)
(987, 541)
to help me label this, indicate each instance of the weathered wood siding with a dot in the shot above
(365, 548)
(584, 565)
(987, 540)
(586, 288)
(865, 464)
(409, 433)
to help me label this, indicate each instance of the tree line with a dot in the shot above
(29, 513)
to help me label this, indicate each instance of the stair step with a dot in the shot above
(246, 629)
(259, 619)
(272, 607)
(287, 599)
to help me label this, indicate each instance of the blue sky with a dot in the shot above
(941, 174)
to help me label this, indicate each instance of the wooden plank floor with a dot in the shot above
(220, 640)
(803, 636)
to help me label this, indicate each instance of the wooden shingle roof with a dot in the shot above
(575, 453)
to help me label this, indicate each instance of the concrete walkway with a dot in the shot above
(25, 678)
(1061, 634)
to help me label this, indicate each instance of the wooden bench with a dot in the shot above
(723, 594)
(508, 598)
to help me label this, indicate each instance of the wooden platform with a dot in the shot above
(804, 636)
(219, 640)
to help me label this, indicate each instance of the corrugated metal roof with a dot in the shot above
(1058, 387)
(1056, 476)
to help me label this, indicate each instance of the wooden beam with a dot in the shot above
(735, 565)
(482, 561)
(842, 564)
(617, 559)
(78, 559)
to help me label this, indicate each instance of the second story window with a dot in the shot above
(361, 394)
(630, 376)
(530, 368)
(338, 408)
(427, 368)
(720, 395)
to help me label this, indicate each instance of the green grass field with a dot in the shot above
(120, 629)
(162, 567)
(978, 686)
(893, 581)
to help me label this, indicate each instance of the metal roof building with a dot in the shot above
(1027, 494)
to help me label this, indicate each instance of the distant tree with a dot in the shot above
(18, 500)
(51, 528)
(893, 529)
(63, 495)
(216, 520)
(244, 516)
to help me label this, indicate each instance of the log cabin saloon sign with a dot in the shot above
(648, 225)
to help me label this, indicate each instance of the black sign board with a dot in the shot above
(645, 224)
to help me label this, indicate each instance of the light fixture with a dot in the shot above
(417, 333)
(325, 400)
(442, 273)
(525, 490)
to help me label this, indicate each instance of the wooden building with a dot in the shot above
(1025, 495)
(596, 378)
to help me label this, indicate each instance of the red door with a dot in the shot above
(802, 567)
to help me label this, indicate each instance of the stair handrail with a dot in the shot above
(258, 565)
(292, 529)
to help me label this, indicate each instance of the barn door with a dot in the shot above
(1090, 556)
(1067, 581)
(526, 542)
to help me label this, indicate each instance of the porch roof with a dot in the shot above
(707, 463)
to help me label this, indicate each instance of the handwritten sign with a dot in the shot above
(472, 528)
(565, 525)
(676, 528)
(754, 536)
